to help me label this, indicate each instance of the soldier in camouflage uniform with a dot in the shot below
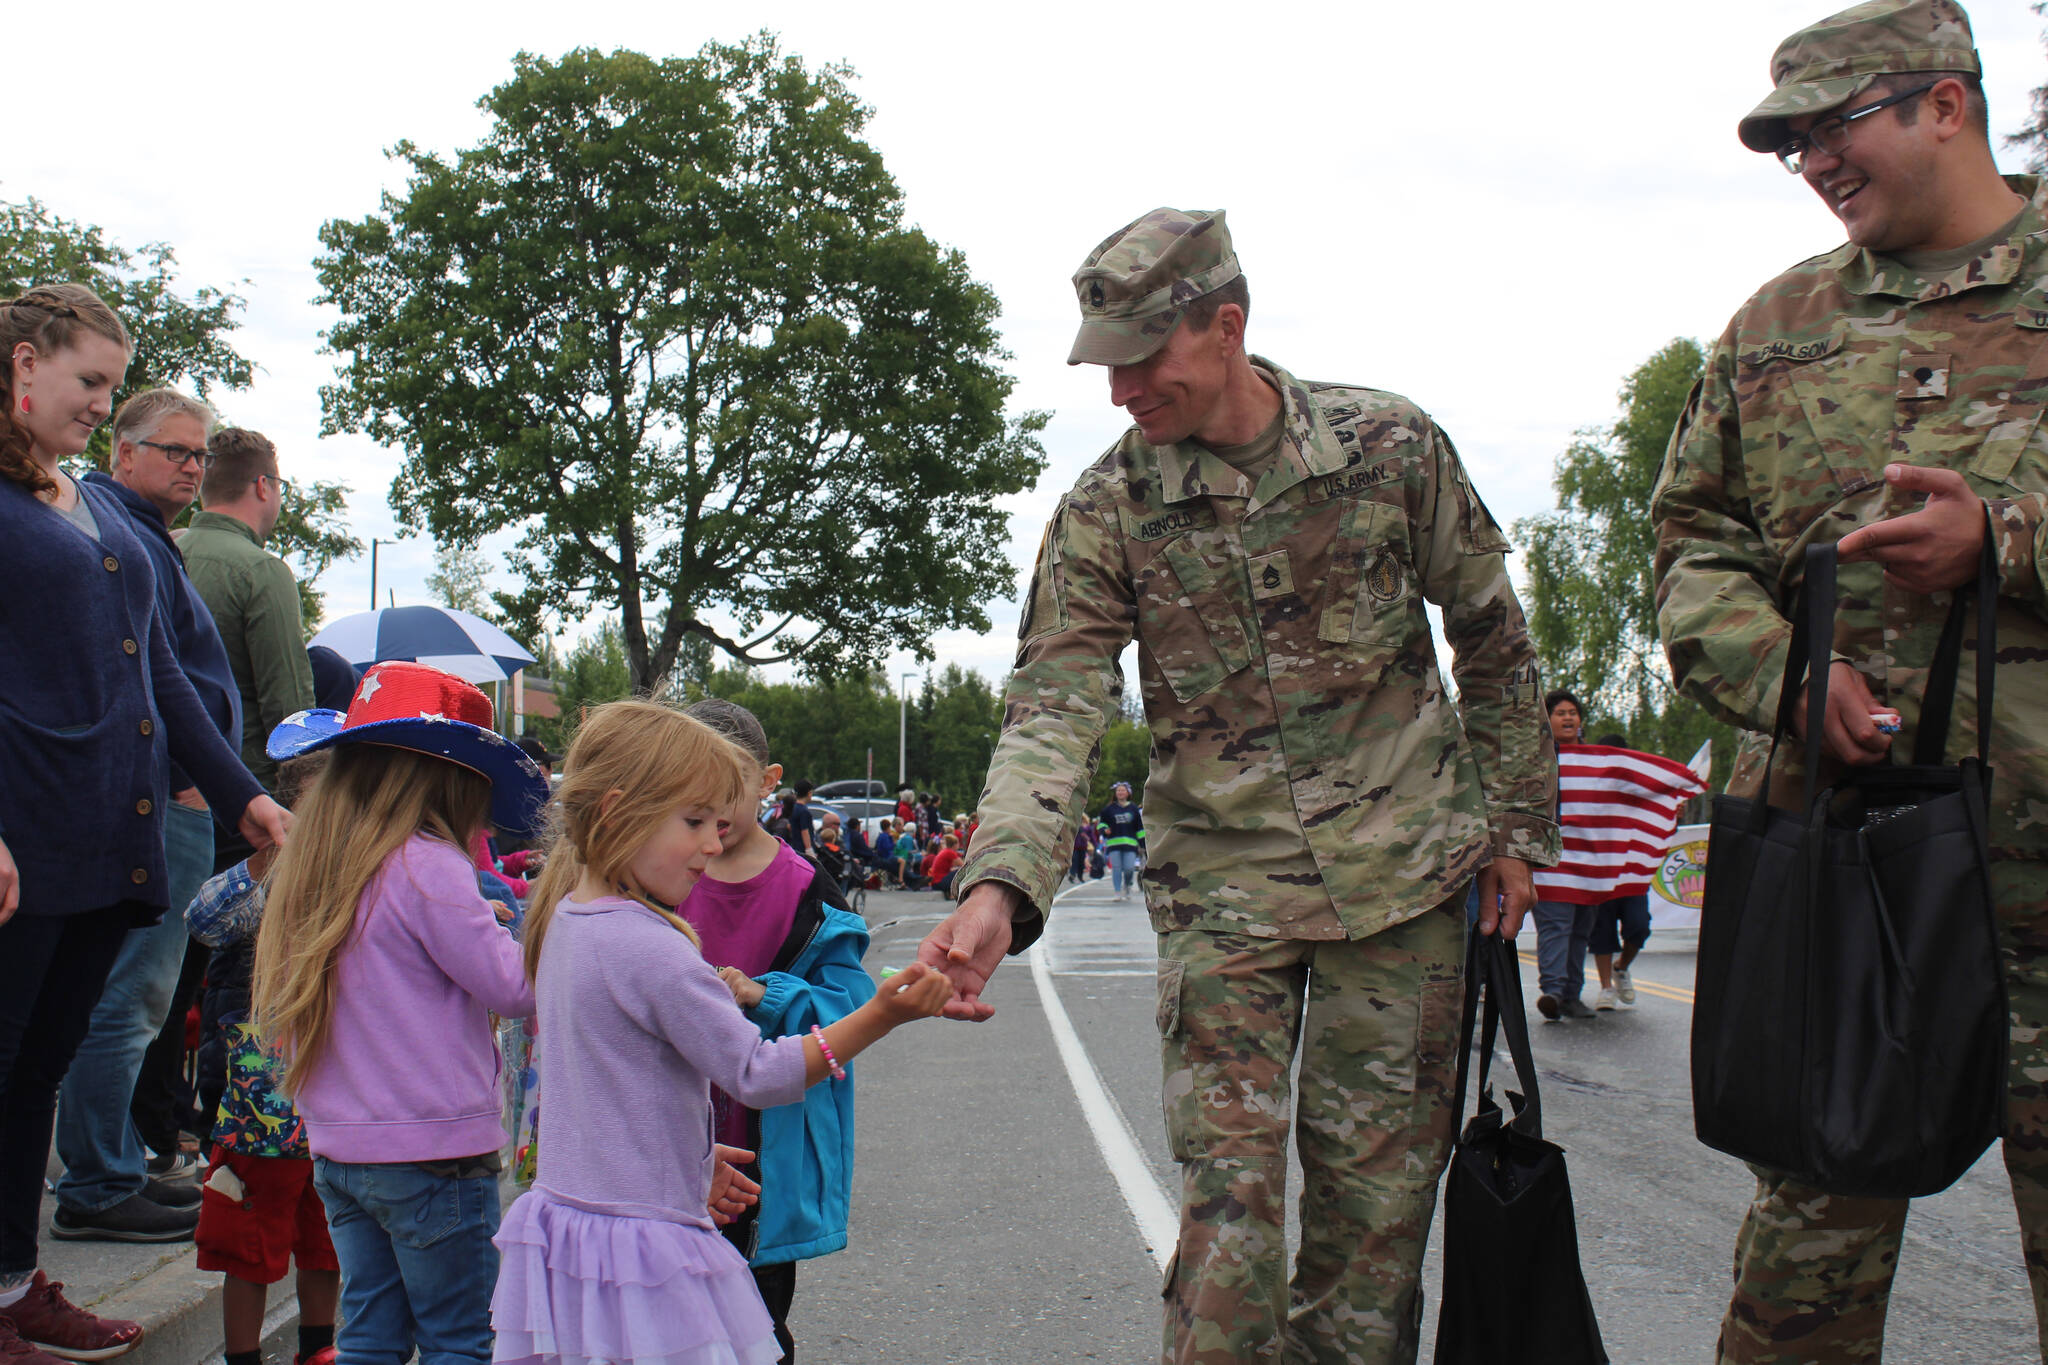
(1887, 395)
(1316, 806)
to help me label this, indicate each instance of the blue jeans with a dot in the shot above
(104, 1159)
(1561, 933)
(417, 1264)
(1123, 868)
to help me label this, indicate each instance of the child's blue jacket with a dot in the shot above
(806, 1149)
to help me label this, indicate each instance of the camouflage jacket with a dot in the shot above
(1845, 363)
(1310, 778)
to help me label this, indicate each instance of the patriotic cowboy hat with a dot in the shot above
(413, 706)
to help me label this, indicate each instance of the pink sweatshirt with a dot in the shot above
(410, 1072)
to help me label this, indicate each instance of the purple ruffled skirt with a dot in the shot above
(580, 1287)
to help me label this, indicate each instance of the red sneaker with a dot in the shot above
(324, 1356)
(48, 1322)
(15, 1351)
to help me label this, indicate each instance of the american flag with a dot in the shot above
(1620, 809)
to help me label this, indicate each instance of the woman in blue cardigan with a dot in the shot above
(91, 703)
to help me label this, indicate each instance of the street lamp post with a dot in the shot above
(903, 734)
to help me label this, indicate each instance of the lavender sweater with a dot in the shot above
(635, 1028)
(410, 1072)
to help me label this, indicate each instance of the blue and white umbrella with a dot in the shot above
(453, 641)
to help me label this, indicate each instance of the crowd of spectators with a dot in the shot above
(916, 848)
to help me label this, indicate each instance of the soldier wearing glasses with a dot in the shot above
(1887, 395)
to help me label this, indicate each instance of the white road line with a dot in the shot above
(1157, 1219)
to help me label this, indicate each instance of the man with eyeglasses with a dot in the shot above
(254, 598)
(112, 1190)
(1886, 395)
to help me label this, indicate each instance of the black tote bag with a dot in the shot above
(1513, 1291)
(1850, 1023)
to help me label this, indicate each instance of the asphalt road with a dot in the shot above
(989, 1226)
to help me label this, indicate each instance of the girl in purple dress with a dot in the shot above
(613, 1255)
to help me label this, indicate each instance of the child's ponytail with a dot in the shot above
(631, 765)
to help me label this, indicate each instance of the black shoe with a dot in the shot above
(176, 1166)
(1576, 1008)
(182, 1194)
(1546, 1005)
(134, 1219)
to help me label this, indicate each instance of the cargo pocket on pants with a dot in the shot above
(1167, 1015)
(1177, 1104)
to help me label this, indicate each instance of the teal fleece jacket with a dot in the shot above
(806, 1149)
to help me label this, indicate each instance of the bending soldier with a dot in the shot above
(1316, 805)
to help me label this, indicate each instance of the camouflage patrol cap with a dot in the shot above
(1134, 287)
(1823, 67)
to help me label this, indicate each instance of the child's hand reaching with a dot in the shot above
(744, 988)
(731, 1191)
(916, 992)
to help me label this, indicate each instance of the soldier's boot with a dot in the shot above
(1813, 1277)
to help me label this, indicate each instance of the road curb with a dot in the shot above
(178, 1305)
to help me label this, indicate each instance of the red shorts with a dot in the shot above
(279, 1216)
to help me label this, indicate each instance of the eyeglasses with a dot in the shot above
(1831, 135)
(181, 455)
(280, 483)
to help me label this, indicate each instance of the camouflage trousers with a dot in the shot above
(1813, 1271)
(1376, 1024)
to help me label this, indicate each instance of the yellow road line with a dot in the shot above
(1657, 988)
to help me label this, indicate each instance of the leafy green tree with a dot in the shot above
(1592, 593)
(312, 532)
(962, 722)
(666, 318)
(458, 579)
(1126, 757)
(593, 672)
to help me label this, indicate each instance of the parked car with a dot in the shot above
(870, 789)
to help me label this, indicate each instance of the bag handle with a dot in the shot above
(1809, 660)
(1931, 743)
(1490, 962)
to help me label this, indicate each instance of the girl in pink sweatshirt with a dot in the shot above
(377, 970)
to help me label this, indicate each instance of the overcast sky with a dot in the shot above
(1493, 207)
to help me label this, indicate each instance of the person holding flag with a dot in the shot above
(1619, 809)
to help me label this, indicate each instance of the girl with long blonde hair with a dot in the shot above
(613, 1254)
(378, 967)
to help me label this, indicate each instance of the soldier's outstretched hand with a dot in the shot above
(968, 945)
(1928, 550)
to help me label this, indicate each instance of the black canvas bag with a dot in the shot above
(1850, 1023)
(1513, 1291)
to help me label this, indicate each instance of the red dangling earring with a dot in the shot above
(25, 407)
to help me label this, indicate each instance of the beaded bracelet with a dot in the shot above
(838, 1071)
